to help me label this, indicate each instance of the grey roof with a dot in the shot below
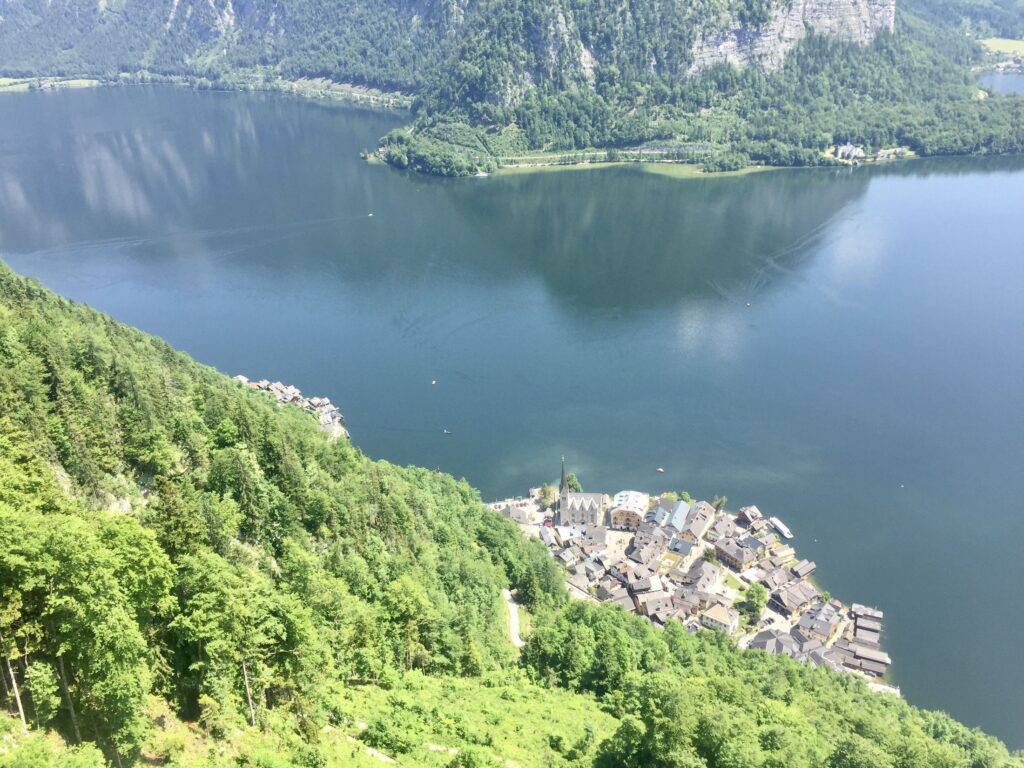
(804, 568)
(795, 596)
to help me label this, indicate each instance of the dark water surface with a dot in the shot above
(871, 394)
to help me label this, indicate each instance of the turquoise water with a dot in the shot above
(844, 349)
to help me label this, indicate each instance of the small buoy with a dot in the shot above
(370, 214)
(901, 485)
(660, 469)
(748, 303)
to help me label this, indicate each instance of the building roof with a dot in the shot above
(584, 501)
(821, 620)
(804, 568)
(632, 500)
(735, 551)
(719, 614)
(795, 596)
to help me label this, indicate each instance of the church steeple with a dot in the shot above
(564, 485)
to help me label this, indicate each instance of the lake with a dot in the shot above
(844, 349)
(1003, 82)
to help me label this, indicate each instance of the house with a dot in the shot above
(702, 576)
(720, 618)
(634, 500)
(785, 553)
(776, 579)
(849, 152)
(681, 546)
(820, 622)
(698, 520)
(624, 519)
(748, 515)
(658, 515)
(517, 513)
(862, 611)
(793, 598)
(647, 584)
(777, 642)
(677, 519)
(735, 555)
(723, 528)
(755, 545)
(803, 569)
(650, 603)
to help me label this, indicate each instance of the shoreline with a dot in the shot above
(350, 94)
(314, 89)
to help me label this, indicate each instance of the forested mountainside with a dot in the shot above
(194, 575)
(724, 83)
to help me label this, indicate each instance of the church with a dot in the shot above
(576, 508)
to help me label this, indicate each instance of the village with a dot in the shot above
(669, 558)
(326, 413)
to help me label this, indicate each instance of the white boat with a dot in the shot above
(781, 527)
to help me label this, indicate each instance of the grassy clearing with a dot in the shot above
(1004, 45)
(659, 168)
(502, 716)
(511, 720)
(22, 84)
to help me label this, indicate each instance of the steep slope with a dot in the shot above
(193, 575)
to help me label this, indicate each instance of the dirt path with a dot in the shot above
(513, 619)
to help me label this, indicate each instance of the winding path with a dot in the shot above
(513, 619)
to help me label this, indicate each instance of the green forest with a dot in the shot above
(194, 575)
(496, 81)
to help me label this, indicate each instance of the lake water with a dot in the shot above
(1003, 82)
(844, 349)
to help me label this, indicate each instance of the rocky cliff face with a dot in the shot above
(855, 20)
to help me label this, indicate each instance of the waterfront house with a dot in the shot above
(793, 598)
(803, 569)
(748, 515)
(720, 618)
(677, 519)
(698, 520)
(724, 527)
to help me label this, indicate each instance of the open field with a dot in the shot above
(1004, 45)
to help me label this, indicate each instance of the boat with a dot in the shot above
(660, 469)
(447, 431)
(781, 527)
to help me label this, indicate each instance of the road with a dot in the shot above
(513, 619)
